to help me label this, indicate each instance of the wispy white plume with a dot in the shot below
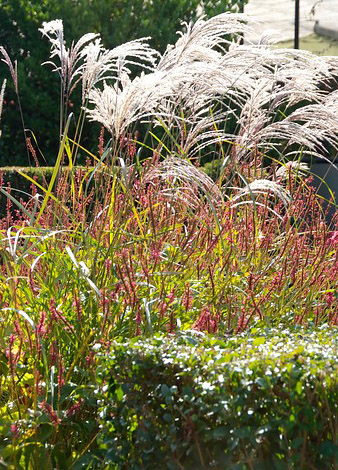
(296, 168)
(203, 82)
(2, 92)
(181, 180)
(204, 39)
(118, 106)
(13, 67)
(89, 61)
(264, 186)
(103, 64)
(70, 67)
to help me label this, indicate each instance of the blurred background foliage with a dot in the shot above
(117, 21)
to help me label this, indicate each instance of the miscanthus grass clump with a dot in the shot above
(142, 239)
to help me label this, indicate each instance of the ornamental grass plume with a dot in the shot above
(12, 67)
(204, 41)
(201, 82)
(103, 64)
(205, 70)
(296, 168)
(128, 101)
(2, 93)
(179, 179)
(90, 60)
(264, 186)
(70, 67)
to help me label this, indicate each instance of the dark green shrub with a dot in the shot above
(247, 402)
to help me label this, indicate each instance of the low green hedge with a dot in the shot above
(21, 187)
(246, 402)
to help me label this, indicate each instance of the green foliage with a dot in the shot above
(117, 22)
(267, 400)
(263, 400)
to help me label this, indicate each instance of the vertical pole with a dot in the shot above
(296, 43)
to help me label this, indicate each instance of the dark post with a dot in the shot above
(296, 46)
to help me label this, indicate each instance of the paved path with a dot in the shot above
(279, 15)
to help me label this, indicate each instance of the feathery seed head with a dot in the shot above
(13, 67)
(298, 168)
(2, 92)
(264, 186)
(127, 101)
(182, 181)
(202, 39)
(52, 28)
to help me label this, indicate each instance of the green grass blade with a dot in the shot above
(56, 169)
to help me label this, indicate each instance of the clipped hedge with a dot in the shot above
(21, 187)
(263, 401)
(10, 174)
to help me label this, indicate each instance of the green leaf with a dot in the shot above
(119, 394)
(220, 432)
(297, 442)
(167, 418)
(165, 390)
(299, 388)
(262, 382)
(329, 449)
(258, 341)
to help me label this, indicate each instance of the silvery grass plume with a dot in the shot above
(262, 186)
(238, 73)
(128, 101)
(70, 67)
(198, 84)
(201, 46)
(13, 68)
(181, 181)
(311, 127)
(175, 88)
(264, 126)
(264, 80)
(201, 84)
(89, 61)
(204, 40)
(332, 62)
(290, 78)
(103, 64)
(292, 168)
(171, 98)
(2, 93)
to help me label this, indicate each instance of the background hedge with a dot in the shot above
(263, 401)
(21, 188)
